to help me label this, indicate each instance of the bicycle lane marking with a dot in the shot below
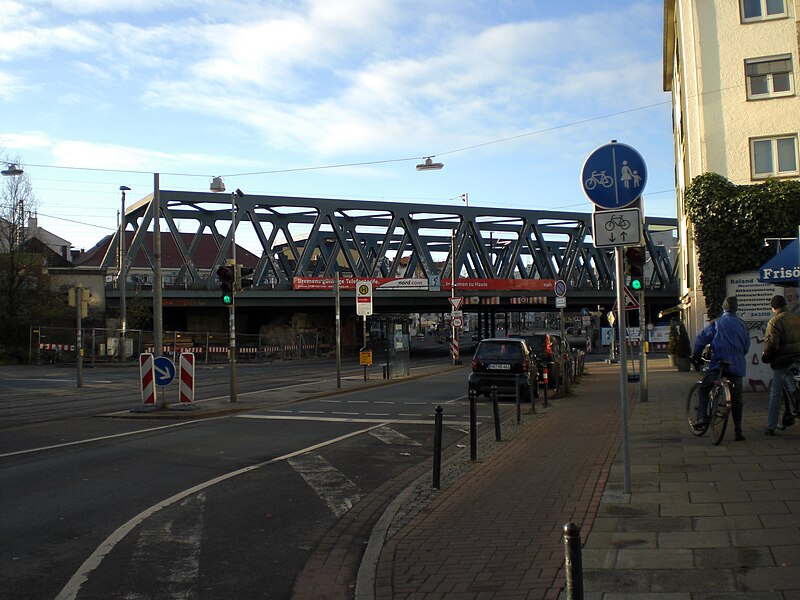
(102, 438)
(73, 586)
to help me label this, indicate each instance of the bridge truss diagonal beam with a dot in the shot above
(288, 237)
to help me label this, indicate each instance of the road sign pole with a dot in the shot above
(623, 372)
(642, 349)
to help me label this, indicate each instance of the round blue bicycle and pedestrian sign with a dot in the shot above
(614, 176)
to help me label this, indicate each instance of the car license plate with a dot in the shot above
(500, 367)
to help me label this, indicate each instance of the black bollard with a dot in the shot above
(517, 399)
(532, 392)
(546, 386)
(573, 563)
(437, 448)
(496, 413)
(473, 425)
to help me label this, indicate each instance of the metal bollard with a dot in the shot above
(573, 563)
(517, 399)
(532, 392)
(496, 413)
(437, 448)
(546, 386)
(473, 425)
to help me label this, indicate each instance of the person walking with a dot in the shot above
(781, 350)
(730, 342)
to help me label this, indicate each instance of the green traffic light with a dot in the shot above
(227, 299)
(636, 284)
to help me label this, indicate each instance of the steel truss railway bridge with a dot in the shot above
(294, 242)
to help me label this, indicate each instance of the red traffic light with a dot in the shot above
(635, 256)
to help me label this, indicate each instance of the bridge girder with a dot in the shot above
(316, 237)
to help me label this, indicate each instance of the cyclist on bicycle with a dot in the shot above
(730, 342)
(781, 350)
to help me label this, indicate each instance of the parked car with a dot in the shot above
(560, 346)
(541, 345)
(503, 362)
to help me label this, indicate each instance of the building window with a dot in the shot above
(774, 157)
(769, 77)
(760, 10)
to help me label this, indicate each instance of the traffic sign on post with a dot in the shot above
(364, 298)
(456, 302)
(614, 176)
(617, 227)
(164, 369)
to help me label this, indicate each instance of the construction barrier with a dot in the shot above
(186, 378)
(147, 377)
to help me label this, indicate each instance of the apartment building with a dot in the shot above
(731, 66)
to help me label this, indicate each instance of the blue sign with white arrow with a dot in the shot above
(165, 370)
(614, 176)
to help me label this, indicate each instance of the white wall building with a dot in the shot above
(731, 66)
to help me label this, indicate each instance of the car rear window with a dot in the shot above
(499, 351)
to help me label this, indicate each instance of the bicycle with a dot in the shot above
(49, 357)
(598, 178)
(718, 408)
(790, 407)
(617, 221)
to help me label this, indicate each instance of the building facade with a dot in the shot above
(731, 67)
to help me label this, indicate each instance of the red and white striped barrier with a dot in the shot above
(186, 381)
(60, 347)
(454, 349)
(147, 376)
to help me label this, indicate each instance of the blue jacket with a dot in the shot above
(729, 341)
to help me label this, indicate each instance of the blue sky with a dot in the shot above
(511, 95)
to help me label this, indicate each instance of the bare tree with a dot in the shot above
(19, 269)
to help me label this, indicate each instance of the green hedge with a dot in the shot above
(730, 224)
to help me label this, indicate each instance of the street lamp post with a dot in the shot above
(122, 276)
(232, 307)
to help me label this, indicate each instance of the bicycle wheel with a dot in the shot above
(692, 402)
(720, 412)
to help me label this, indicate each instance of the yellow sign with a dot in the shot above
(365, 358)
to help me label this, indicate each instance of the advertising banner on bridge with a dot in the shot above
(401, 283)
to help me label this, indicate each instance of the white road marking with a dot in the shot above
(391, 436)
(73, 586)
(175, 572)
(330, 484)
(411, 421)
(100, 439)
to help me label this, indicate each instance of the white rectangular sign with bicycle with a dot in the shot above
(617, 227)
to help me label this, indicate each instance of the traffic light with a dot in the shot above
(635, 258)
(79, 296)
(242, 281)
(225, 276)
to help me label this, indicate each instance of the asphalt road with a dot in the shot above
(222, 507)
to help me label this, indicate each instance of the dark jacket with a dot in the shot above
(729, 342)
(782, 342)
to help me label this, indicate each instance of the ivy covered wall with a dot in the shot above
(730, 223)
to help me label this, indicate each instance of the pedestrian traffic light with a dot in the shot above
(225, 277)
(242, 279)
(635, 259)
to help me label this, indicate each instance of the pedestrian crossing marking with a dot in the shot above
(393, 437)
(330, 484)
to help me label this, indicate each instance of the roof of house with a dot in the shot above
(203, 257)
